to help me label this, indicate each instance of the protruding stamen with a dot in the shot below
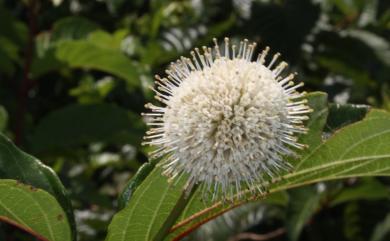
(292, 89)
(244, 49)
(263, 55)
(274, 58)
(227, 48)
(279, 68)
(253, 46)
(240, 49)
(234, 51)
(195, 61)
(287, 79)
(297, 103)
(216, 47)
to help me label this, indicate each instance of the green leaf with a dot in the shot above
(33, 210)
(382, 230)
(303, 203)
(45, 63)
(361, 143)
(347, 7)
(318, 101)
(148, 209)
(133, 184)
(106, 40)
(13, 36)
(336, 65)
(380, 46)
(72, 28)
(368, 189)
(277, 198)
(15, 164)
(86, 55)
(76, 124)
(14, 29)
(3, 118)
(342, 115)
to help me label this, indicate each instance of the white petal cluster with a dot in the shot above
(226, 122)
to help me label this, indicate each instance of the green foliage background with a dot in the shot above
(74, 77)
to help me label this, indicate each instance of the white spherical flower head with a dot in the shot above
(226, 122)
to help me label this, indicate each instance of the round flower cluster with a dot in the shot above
(226, 122)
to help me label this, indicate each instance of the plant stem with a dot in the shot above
(27, 83)
(175, 213)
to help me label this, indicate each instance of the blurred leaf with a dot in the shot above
(45, 63)
(18, 165)
(9, 48)
(302, 205)
(76, 124)
(77, 43)
(386, 97)
(338, 66)
(277, 198)
(217, 30)
(379, 45)
(91, 91)
(6, 64)
(369, 189)
(11, 28)
(369, 13)
(342, 115)
(83, 54)
(72, 28)
(352, 222)
(349, 8)
(13, 34)
(3, 118)
(33, 210)
(382, 230)
(106, 40)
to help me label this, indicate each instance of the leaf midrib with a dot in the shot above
(326, 143)
(155, 213)
(37, 205)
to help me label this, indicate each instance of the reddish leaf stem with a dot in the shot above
(26, 229)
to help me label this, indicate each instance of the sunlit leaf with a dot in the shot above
(145, 214)
(15, 164)
(33, 210)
